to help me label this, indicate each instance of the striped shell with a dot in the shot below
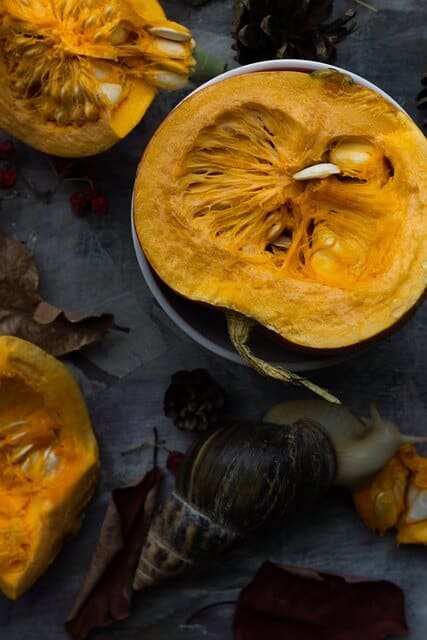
(231, 482)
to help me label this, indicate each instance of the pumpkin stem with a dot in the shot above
(239, 330)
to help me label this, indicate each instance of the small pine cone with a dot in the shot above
(269, 29)
(192, 400)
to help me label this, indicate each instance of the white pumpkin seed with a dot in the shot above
(322, 170)
(18, 455)
(111, 91)
(170, 34)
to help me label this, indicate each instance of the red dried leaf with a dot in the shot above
(284, 604)
(107, 591)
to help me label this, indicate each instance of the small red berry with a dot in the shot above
(7, 177)
(79, 203)
(90, 193)
(174, 461)
(99, 205)
(7, 148)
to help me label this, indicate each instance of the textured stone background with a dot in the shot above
(89, 265)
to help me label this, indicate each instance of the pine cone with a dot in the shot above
(192, 400)
(422, 97)
(268, 29)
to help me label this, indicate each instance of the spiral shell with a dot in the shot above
(231, 482)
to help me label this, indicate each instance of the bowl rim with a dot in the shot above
(311, 362)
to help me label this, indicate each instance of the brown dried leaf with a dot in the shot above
(19, 278)
(284, 604)
(107, 591)
(24, 313)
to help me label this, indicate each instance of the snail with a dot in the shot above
(246, 474)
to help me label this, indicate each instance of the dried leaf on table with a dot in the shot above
(19, 279)
(284, 604)
(24, 313)
(107, 592)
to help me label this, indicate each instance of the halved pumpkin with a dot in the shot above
(77, 76)
(327, 257)
(48, 461)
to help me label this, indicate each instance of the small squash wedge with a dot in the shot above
(298, 200)
(77, 76)
(48, 461)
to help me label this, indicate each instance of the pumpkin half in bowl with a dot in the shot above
(297, 200)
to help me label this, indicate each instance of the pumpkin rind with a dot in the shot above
(76, 77)
(49, 461)
(217, 176)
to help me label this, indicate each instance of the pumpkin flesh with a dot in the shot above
(78, 76)
(325, 263)
(48, 462)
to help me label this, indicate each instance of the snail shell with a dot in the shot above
(230, 483)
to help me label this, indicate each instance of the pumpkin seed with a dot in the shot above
(322, 170)
(12, 425)
(21, 453)
(17, 436)
(90, 21)
(283, 242)
(109, 12)
(51, 459)
(170, 48)
(169, 33)
(274, 231)
(167, 79)
(119, 35)
(351, 152)
(99, 73)
(91, 112)
(111, 91)
(61, 116)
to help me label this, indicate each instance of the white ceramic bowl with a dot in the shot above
(206, 326)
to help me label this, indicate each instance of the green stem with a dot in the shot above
(207, 66)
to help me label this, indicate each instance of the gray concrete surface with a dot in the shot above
(88, 264)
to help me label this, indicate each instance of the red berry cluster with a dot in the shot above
(8, 172)
(82, 201)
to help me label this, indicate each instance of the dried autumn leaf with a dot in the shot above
(107, 591)
(24, 313)
(19, 279)
(284, 604)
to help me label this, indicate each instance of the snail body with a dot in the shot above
(246, 474)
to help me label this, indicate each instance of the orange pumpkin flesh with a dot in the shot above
(76, 77)
(325, 263)
(48, 461)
